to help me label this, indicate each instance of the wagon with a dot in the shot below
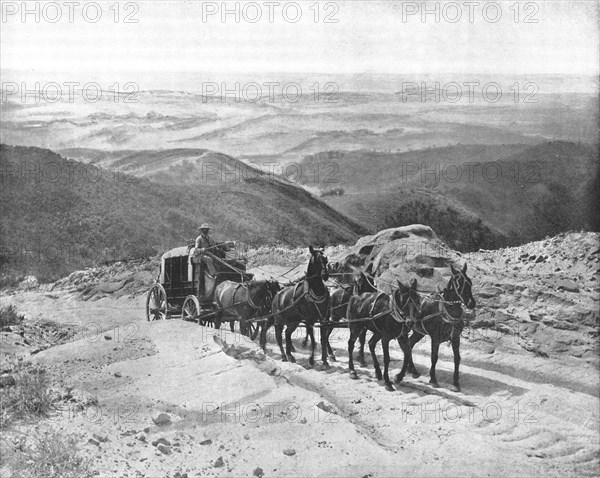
(186, 282)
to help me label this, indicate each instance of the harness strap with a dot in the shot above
(397, 313)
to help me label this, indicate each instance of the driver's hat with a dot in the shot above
(204, 226)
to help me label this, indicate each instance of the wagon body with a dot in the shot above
(177, 286)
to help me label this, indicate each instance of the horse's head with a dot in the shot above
(408, 300)
(317, 266)
(273, 287)
(363, 284)
(460, 287)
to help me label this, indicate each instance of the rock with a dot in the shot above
(569, 286)
(101, 438)
(304, 421)
(142, 437)
(7, 381)
(94, 442)
(208, 441)
(326, 407)
(218, 462)
(164, 441)
(258, 471)
(107, 337)
(160, 418)
(289, 452)
(164, 449)
(117, 374)
(396, 254)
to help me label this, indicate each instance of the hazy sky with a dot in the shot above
(369, 36)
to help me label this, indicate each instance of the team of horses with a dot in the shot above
(402, 315)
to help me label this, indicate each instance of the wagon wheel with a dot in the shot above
(156, 304)
(191, 308)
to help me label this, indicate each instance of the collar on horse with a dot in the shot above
(443, 313)
(397, 313)
(311, 296)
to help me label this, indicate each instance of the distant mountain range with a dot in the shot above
(474, 196)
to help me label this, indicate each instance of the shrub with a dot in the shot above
(30, 396)
(46, 454)
(9, 316)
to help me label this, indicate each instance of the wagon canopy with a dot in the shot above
(177, 252)
(179, 268)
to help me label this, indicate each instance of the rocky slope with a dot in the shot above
(544, 293)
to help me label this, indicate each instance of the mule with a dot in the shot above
(386, 317)
(307, 302)
(441, 317)
(339, 305)
(242, 301)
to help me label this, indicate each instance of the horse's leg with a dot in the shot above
(324, 342)
(414, 339)
(456, 351)
(403, 343)
(385, 344)
(304, 342)
(264, 327)
(310, 332)
(278, 332)
(435, 347)
(361, 350)
(289, 330)
(372, 344)
(218, 316)
(330, 353)
(354, 332)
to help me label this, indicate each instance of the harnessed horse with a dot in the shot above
(242, 301)
(441, 317)
(307, 301)
(386, 317)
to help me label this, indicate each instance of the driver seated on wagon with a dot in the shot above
(205, 248)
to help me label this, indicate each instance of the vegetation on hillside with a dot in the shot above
(59, 215)
(473, 196)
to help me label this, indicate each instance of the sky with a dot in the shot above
(329, 37)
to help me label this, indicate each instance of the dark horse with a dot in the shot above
(339, 305)
(242, 301)
(441, 318)
(386, 317)
(306, 301)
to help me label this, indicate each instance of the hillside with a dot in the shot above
(60, 215)
(475, 196)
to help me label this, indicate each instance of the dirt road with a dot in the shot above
(235, 412)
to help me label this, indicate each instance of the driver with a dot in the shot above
(204, 241)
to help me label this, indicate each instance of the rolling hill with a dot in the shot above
(59, 215)
(475, 196)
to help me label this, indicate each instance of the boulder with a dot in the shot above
(400, 253)
(160, 418)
